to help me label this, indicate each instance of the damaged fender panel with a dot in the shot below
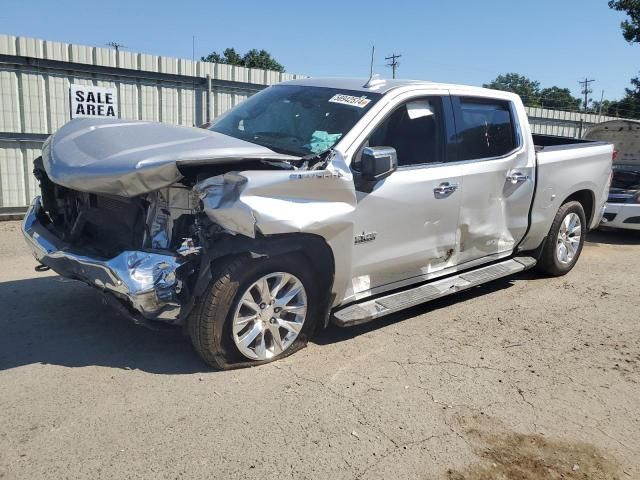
(318, 202)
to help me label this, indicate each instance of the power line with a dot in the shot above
(394, 64)
(586, 91)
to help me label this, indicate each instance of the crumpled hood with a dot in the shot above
(129, 158)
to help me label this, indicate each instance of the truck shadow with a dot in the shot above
(50, 320)
(614, 237)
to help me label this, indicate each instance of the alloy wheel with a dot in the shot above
(269, 316)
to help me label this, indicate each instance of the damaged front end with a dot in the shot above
(148, 253)
(142, 252)
(146, 284)
(143, 221)
(149, 285)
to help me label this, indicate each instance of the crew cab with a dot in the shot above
(313, 201)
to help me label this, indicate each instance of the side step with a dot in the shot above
(371, 309)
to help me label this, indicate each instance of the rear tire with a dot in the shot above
(565, 240)
(217, 324)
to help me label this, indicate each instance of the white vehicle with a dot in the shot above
(623, 206)
(313, 201)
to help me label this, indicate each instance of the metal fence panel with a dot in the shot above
(35, 77)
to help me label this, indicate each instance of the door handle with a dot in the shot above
(517, 177)
(444, 189)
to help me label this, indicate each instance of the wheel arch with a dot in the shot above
(314, 248)
(587, 199)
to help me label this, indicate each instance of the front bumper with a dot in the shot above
(622, 215)
(147, 283)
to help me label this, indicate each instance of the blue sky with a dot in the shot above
(554, 41)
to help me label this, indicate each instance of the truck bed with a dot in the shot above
(552, 142)
(566, 167)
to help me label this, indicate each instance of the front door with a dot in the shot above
(406, 227)
(498, 175)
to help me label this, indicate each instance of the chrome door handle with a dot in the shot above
(445, 188)
(517, 177)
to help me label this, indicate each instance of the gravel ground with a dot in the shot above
(526, 378)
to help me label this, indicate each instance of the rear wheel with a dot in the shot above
(256, 311)
(565, 241)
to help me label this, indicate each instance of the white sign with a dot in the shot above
(359, 102)
(90, 101)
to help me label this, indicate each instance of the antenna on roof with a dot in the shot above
(373, 52)
(374, 80)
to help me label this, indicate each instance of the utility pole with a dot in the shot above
(393, 63)
(117, 46)
(600, 106)
(586, 90)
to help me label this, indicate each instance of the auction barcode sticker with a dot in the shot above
(359, 102)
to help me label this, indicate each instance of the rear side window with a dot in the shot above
(485, 129)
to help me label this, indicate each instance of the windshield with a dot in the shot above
(295, 119)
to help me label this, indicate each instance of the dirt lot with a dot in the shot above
(528, 378)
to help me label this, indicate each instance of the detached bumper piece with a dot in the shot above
(147, 284)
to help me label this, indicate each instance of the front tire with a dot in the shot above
(565, 240)
(255, 311)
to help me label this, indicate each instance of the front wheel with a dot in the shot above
(256, 311)
(565, 241)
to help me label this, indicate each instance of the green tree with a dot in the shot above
(261, 59)
(529, 90)
(629, 106)
(559, 98)
(631, 26)
(252, 59)
(229, 56)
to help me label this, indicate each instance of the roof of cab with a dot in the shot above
(383, 85)
(356, 83)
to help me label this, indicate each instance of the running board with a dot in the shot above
(370, 310)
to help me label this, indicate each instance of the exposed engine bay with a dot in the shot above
(169, 218)
(109, 224)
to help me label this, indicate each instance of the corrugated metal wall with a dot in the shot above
(562, 123)
(34, 96)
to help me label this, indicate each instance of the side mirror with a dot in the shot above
(377, 163)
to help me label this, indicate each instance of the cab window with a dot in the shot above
(485, 128)
(415, 130)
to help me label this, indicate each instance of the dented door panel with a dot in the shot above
(494, 211)
(414, 228)
(498, 163)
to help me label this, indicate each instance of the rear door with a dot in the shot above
(498, 175)
(406, 227)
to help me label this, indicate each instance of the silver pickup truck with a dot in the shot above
(313, 201)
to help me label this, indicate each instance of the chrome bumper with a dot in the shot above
(147, 282)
